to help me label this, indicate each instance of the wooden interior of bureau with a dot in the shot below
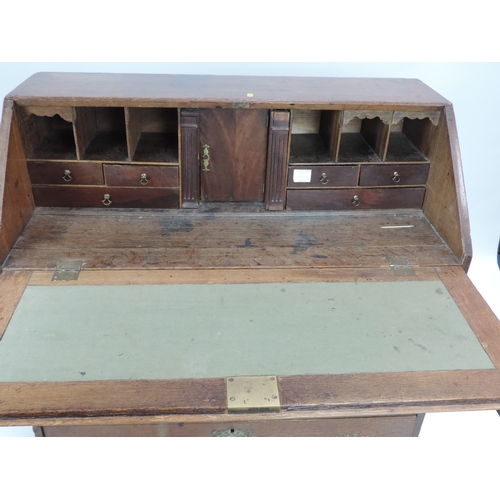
(164, 180)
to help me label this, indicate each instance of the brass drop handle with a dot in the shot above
(67, 176)
(107, 201)
(396, 177)
(206, 158)
(324, 179)
(144, 179)
(355, 200)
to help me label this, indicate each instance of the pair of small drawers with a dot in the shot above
(357, 187)
(94, 184)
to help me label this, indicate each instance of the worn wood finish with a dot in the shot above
(277, 154)
(309, 149)
(69, 196)
(190, 157)
(344, 199)
(479, 316)
(237, 145)
(133, 124)
(196, 240)
(376, 134)
(384, 175)
(16, 199)
(213, 276)
(209, 90)
(335, 427)
(445, 203)
(130, 175)
(85, 127)
(325, 176)
(402, 149)
(329, 130)
(55, 172)
(302, 396)
(131, 397)
(354, 148)
(12, 285)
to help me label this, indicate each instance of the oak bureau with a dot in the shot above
(236, 256)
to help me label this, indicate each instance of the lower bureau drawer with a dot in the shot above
(141, 175)
(352, 199)
(397, 426)
(104, 197)
(67, 173)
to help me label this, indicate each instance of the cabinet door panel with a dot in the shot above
(236, 143)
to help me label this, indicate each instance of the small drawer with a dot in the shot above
(354, 199)
(323, 176)
(394, 175)
(67, 173)
(105, 197)
(141, 176)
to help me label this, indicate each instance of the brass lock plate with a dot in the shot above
(252, 394)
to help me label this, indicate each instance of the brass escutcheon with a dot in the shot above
(206, 158)
(67, 176)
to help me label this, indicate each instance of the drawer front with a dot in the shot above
(104, 197)
(323, 176)
(354, 199)
(67, 173)
(141, 176)
(393, 175)
(404, 426)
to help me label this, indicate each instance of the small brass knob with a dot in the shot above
(144, 179)
(67, 176)
(107, 200)
(355, 200)
(396, 177)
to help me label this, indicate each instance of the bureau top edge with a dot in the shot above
(109, 89)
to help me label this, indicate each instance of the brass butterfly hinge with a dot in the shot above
(252, 394)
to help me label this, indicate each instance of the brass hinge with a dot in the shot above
(67, 270)
(400, 266)
(252, 394)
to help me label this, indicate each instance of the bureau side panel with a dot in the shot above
(16, 199)
(445, 203)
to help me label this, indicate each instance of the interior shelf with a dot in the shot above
(401, 149)
(354, 149)
(309, 148)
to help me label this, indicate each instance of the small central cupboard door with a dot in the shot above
(233, 151)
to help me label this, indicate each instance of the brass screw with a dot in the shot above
(232, 398)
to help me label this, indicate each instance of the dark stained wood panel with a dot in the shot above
(402, 149)
(384, 175)
(130, 175)
(55, 172)
(354, 199)
(68, 196)
(203, 90)
(326, 176)
(314, 427)
(237, 146)
(107, 238)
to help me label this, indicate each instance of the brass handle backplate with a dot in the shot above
(206, 158)
(67, 176)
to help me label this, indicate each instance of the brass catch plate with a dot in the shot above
(252, 394)
(67, 270)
